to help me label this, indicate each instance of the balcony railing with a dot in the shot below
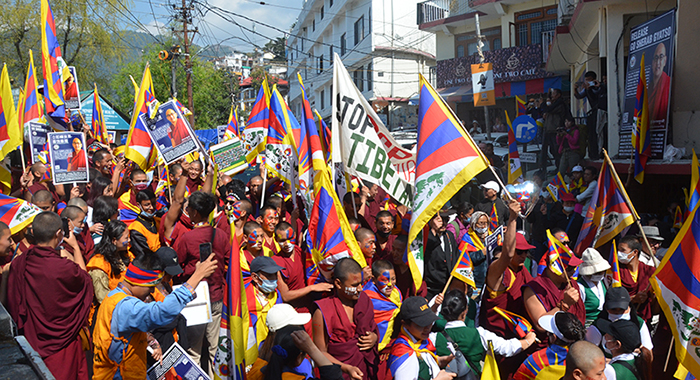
(433, 10)
(547, 39)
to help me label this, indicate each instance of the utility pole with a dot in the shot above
(479, 45)
(184, 15)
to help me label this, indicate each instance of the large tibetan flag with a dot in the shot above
(232, 125)
(139, 147)
(31, 108)
(490, 371)
(16, 213)
(676, 284)
(614, 271)
(693, 196)
(464, 269)
(53, 66)
(255, 132)
(609, 213)
(515, 172)
(519, 324)
(98, 127)
(447, 158)
(229, 362)
(325, 134)
(309, 148)
(385, 309)
(10, 133)
(280, 152)
(330, 236)
(641, 137)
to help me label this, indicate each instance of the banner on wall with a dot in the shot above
(483, 85)
(655, 40)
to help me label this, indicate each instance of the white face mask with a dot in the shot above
(615, 317)
(596, 278)
(481, 231)
(625, 258)
(568, 208)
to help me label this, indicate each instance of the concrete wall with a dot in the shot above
(685, 102)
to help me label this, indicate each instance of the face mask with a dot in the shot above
(596, 278)
(615, 317)
(624, 258)
(268, 286)
(481, 231)
(352, 291)
(147, 215)
(77, 230)
(568, 209)
(605, 347)
(140, 186)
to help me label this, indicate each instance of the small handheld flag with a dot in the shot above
(515, 171)
(98, 127)
(10, 135)
(519, 324)
(615, 280)
(464, 269)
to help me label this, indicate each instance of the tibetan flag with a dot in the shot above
(615, 279)
(232, 125)
(280, 152)
(515, 171)
(329, 232)
(20, 107)
(693, 198)
(98, 128)
(325, 134)
(136, 88)
(139, 147)
(464, 269)
(229, 363)
(609, 213)
(490, 371)
(447, 158)
(676, 286)
(255, 132)
(10, 133)
(16, 213)
(641, 137)
(184, 110)
(309, 148)
(385, 309)
(677, 217)
(558, 254)
(53, 66)
(5, 177)
(519, 324)
(31, 108)
(521, 106)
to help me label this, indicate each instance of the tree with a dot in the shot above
(211, 88)
(277, 47)
(87, 30)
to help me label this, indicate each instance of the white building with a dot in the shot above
(378, 42)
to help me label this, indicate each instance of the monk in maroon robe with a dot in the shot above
(660, 85)
(635, 276)
(49, 298)
(344, 327)
(77, 160)
(177, 131)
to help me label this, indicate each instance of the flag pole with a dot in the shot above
(628, 201)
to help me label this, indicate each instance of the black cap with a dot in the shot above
(416, 310)
(168, 257)
(617, 298)
(264, 264)
(627, 332)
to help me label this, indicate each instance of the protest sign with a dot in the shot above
(38, 133)
(71, 92)
(68, 157)
(176, 364)
(492, 241)
(170, 132)
(365, 146)
(112, 136)
(220, 133)
(483, 85)
(198, 311)
(229, 156)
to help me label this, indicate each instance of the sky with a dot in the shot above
(213, 29)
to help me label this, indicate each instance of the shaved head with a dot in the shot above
(345, 267)
(42, 196)
(363, 233)
(584, 360)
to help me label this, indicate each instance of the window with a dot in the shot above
(320, 64)
(369, 77)
(330, 54)
(359, 29)
(330, 3)
(343, 46)
(369, 24)
(530, 25)
(313, 25)
(465, 44)
(358, 78)
(323, 99)
(321, 12)
(460, 51)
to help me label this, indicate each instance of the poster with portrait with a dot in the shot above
(71, 91)
(655, 40)
(69, 161)
(170, 132)
(176, 365)
(38, 133)
(112, 136)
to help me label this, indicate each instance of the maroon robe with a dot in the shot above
(549, 296)
(194, 184)
(77, 161)
(658, 99)
(642, 284)
(386, 253)
(343, 335)
(178, 132)
(51, 188)
(405, 284)
(294, 276)
(49, 298)
(510, 300)
(85, 243)
(187, 248)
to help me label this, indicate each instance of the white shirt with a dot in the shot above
(610, 371)
(587, 194)
(501, 346)
(597, 289)
(408, 370)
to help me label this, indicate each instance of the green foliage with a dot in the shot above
(88, 32)
(277, 47)
(211, 89)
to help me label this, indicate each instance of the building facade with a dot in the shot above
(377, 42)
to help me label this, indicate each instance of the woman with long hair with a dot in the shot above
(291, 345)
(98, 187)
(105, 209)
(112, 256)
(630, 360)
